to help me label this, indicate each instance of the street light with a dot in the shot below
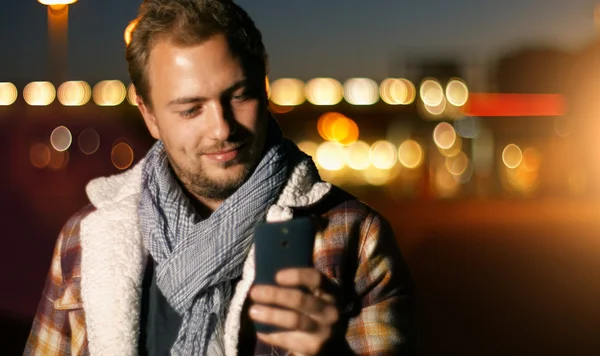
(58, 28)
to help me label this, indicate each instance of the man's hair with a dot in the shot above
(191, 22)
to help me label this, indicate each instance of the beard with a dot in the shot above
(196, 181)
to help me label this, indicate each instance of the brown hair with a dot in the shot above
(190, 22)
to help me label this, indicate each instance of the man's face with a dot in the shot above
(209, 112)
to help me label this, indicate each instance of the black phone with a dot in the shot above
(281, 245)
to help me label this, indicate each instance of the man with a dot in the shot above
(162, 260)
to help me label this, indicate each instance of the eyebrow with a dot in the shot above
(198, 99)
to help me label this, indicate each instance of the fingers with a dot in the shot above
(299, 343)
(290, 298)
(300, 277)
(287, 319)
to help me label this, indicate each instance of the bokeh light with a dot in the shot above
(324, 91)
(109, 93)
(378, 177)
(308, 147)
(89, 141)
(458, 164)
(57, 2)
(357, 156)
(330, 156)
(39, 155)
(361, 91)
(39, 93)
(333, 126)
(532, 159)
(444, 135)
(74, 93)
(383, 155)
(512, 156)
(279, 109)
(438, 109)
(432, 93)
(287, 92)
(122, 155)
(131, 95)
(8, 94)
(410, 154)
(468, 127)
(445, 184)
(58, 160)
(457, 92)
(563, 126)
(268, 86)
(483, 153)
(129, 31)
(395, 91)
(61, 138)
(454, 150)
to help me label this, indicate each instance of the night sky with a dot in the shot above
(308, 38)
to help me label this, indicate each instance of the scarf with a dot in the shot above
(197, 260)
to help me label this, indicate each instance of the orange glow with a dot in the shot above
(308, 147)
(122, 156)
(268, 86)
(491, 104)
(532, 159)
(358, 156)
(279, 109)
(333, 126)
(458, 164)
(57, 2)
(129, 31)
(330, 156)
(39, 154)
(383, 155)
(454, 150)
(39, 93)
(8, 94)
(58, 160)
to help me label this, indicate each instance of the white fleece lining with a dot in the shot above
(113, 259)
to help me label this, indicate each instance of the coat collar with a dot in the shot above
(113, 257)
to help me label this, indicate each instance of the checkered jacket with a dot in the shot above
(357, 251)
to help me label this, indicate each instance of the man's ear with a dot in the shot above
(149, 118)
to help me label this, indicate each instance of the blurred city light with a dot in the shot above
(468, 127)
(89, 141)
(383, 155)
(361, 91)
(61, 138)
(74, 93)
(563, 126)
(8, 94)
(268, 86)
(308, 147)
(57, 2)
(279, 109)
(410, 154)
(397, 91)
(109, 93)
(445, 184)
(512, 156)
(287, 92)
(378, 177)
(129, 30)
(432, 93)
(357, 156)
(330, 156)
(131, 95)
(482, 153)
(324, 91)
(437, 109)
(458, 164)
(39, 154)
(444, 135)
(532, 159)
(58, 160)
(122, 155)
(494, 104)
(333, 126)
(39, 93)
(457, 92)
(454, 150)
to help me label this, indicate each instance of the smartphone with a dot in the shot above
(281, 245)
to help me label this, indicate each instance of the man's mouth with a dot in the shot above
(225, 155)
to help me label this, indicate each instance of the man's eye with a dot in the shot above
(239, 97)
(190, 112)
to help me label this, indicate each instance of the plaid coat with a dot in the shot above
(91, 300)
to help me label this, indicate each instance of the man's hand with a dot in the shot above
(309, 317)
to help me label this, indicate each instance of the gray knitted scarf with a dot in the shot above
(197, 260)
